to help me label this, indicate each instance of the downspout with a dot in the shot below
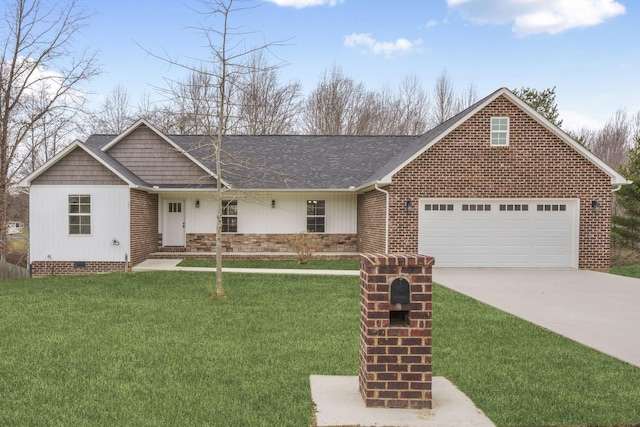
(386, 223)
(617, 188)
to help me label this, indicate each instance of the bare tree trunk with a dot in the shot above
(37, 39)
(222, 88)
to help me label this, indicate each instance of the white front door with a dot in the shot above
(173, 228)
(499, 232)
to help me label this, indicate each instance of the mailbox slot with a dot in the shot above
(400, 294)
(399, 319)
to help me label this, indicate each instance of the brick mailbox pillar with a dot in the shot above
(395, 330)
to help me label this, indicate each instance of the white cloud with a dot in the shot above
(300, 4)
(574, 121)
(400, 46)
(431, 23)
(538, 16)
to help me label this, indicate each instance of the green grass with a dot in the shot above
(630, 271)
(314, 264)
(147, 349)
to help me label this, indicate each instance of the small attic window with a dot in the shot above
(499, 131)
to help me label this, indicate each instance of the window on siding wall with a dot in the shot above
(315, 216)
(229, 216)
(79, 214)
(499, 131)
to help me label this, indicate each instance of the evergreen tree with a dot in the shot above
(544, 102)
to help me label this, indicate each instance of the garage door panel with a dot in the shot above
(544, 240)
(472, 259)
(504, 243)
(519, 235)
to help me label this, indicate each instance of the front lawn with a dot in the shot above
(631, 271)
(147, 349)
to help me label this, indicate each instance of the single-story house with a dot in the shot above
(497, 185)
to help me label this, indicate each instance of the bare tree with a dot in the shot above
(333, 106)
(265, 106)
(445, 103)
(209, 95)
(194, 102)
(468, 97)
(411, 108)
(47, 135)
(341, 106)
(116, 113)
(159, 114)
(613, 141)
(37, 58)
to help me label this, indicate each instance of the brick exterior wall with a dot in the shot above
(395, 351)
(536, 164)
(69, 268)
(261, 243)
(143, 225)
(371, 222)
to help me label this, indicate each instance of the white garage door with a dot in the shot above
(499, 233)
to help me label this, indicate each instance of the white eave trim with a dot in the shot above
(26, 182)
(616, 178)
(179, 149)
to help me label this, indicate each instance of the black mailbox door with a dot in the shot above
(400, 293)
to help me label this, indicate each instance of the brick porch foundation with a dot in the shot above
(247, 243)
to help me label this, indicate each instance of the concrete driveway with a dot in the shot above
(598, 310)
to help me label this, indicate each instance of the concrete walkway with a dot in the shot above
(172, 265)
(598, 310)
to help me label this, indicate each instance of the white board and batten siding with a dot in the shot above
(49, 223)
(500, 232)
(257, 216)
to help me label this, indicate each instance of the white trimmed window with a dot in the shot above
(229, 216)
(499, 131)
(79, 214)
(315, 216)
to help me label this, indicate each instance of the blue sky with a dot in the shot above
(588, 49)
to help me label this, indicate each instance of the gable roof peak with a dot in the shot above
(133, 127)
(427, 140)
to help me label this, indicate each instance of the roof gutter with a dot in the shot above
(386, 223)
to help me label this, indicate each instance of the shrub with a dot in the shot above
(622, 256)
(303, 244)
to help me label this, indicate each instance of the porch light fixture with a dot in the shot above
(273, 204)
(198, 203)
(595, 205)
(409, 206)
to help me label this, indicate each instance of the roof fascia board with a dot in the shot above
(245, 190)
(142, 122)
(616, 178)
(26, 182)
(300, 190)
(371, 186)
